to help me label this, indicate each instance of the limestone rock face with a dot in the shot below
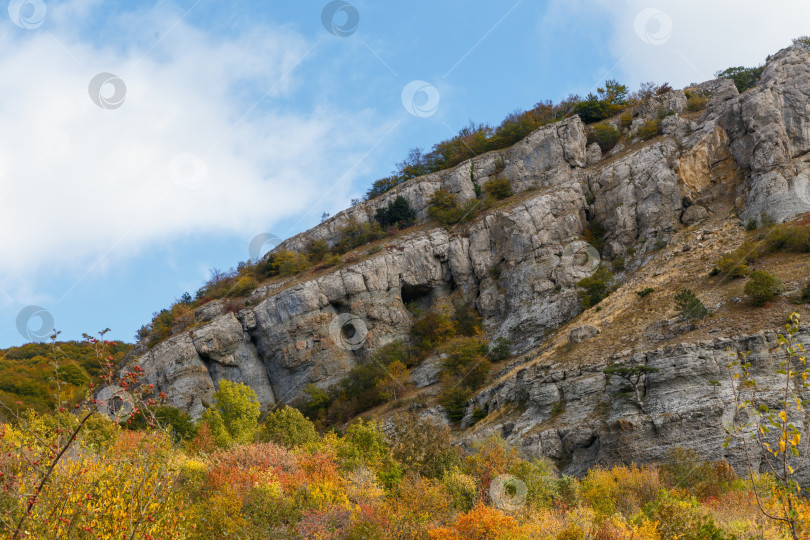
(687, 404)
(519, 264)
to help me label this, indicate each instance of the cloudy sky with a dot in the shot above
(143, 143)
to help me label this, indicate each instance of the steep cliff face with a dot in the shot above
(742, 157)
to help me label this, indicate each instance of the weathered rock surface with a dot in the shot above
(688, 403)
(519, 265)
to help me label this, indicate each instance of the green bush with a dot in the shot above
(234, 417)
(454, 398)
(317, 250)
(354, 235)
(465, 361)
(605, 135)
(596, 287)
(626, 120)
(500, 351)
(650, 129)
(689, 306)
(499, 188)
(762, 287)
(288, 427)
(445, 208)
(644, 292)
(744, 78)
(398, 214)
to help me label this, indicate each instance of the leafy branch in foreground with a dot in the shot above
(773, 434)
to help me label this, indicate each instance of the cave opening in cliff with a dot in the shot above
(417, 295)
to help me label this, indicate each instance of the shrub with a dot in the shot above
(733, 265)
(465, 360)
(288, 427)
(500, 351)
(605, 135)
(432, 329)
(234, 417)
(422, 446)
(243, 286)
(626, 120)
(689, 306)
(398, 214)
(596, 287)
(445, 208)
(744, 78)
(805, 294)
(803, 42)
(644, 292)
(454, 398)
(499, 188)
(317, 250)
(354, 235)
(649, 129)
(383, 185)
(282, 263)
(695, 103)
(762, 287)
(595, 234)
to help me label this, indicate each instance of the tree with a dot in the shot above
(777, 434)
(234, 417)
(397, 380)
(802, 41)
(288, 427)
(744, 78)
(398, 213)
(635, 375)
(689, 306)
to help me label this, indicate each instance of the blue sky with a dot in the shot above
(230, 121)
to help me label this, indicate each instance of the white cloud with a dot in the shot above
(704, 36)
(77, 180)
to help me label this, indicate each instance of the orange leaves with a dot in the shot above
(480, 523)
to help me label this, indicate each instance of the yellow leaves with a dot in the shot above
(783, 416)
(782, 445)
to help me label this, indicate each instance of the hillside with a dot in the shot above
(553, 269)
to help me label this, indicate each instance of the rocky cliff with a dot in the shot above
(670, 205)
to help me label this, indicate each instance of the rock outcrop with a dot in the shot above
(519, 265)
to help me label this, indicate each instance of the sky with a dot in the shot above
(144, 143)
